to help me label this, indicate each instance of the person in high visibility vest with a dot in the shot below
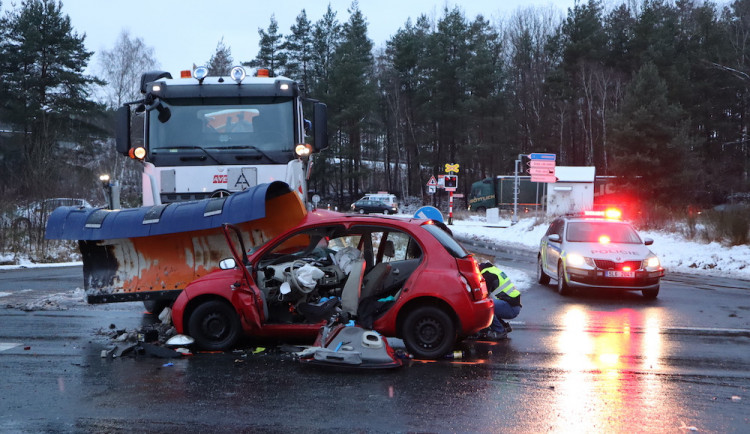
(507, 301)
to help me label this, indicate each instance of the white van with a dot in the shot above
(386, 198)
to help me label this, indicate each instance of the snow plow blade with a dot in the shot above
(153, 252)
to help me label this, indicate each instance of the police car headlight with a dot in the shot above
(579, 261)
(652, 263)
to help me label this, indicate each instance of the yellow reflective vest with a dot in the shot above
(505, 289)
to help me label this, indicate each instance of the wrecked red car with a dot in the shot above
(405, 278)
(402, 277)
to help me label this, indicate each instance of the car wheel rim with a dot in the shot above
(215, 326)
(429, 332)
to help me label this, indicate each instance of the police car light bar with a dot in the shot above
(610, 213)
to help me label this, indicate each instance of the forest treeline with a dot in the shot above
(653, 92)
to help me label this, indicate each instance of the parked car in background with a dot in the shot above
(401, 277)
(597, 250)
(369, 206)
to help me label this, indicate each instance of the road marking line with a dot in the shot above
(8, 345)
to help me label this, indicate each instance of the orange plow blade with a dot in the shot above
(154, 252)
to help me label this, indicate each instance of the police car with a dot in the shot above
(597, 249)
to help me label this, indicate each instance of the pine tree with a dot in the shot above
(353, 92)
(299, 46)
(44, 92)
(270, 55)
(651, 146)
(220, 63)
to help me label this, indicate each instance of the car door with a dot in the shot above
(553, 248)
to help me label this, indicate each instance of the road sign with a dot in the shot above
(432, 182)
(542, 163)
(548, 157)
(451, 168)
(429, 212)
(544, 178)
(431, 189)
(451, 182)
(541, 171)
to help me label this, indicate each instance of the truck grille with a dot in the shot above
(605, 264)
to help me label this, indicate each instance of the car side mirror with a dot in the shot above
(227, 264)
(555, 238)
(648, 241)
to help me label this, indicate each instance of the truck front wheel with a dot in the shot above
(214, 325)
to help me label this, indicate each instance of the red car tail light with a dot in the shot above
(472, 277)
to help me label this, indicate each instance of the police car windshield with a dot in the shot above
(591, 232)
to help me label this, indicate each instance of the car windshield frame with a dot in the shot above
(592, 231)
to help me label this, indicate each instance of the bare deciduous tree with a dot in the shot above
(122, 66)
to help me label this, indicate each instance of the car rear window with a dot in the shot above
(590, 232)
(451, 245)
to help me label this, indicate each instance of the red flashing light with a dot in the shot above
(263, 73)
(185, 73)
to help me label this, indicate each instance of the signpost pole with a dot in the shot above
(450, 208)
(516, 187)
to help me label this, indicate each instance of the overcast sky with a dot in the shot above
(187, 31)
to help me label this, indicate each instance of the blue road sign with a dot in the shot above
(429, 212)
(549, 157)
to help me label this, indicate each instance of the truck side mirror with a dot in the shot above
(122, 130)
(321, 126)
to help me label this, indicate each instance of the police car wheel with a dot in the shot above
(361, 211)
(562, 285)
(650, 293)
(541, 276)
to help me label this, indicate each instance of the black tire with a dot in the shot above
(214, 325)
(562, 285)
(155, 307)
(428, 332)
(361, 210)
(650, 294)
(541, 276)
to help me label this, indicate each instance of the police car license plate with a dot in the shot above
(619, 274)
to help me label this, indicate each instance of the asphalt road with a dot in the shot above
(591, 362)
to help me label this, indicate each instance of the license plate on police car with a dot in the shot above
(619, 274)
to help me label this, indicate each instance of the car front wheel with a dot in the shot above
(361, 210)
(215, 325)
(429, 332)
(562, 285)
(541, 276)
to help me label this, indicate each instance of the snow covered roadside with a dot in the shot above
(676, 253)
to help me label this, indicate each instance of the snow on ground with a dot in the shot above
(676, 253)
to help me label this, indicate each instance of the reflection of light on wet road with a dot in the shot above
(608, 361)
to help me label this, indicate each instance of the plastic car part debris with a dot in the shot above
(180, 340)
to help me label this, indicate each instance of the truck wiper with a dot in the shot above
(260, 151)
(189, 147)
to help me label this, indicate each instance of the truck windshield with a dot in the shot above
(258, 126)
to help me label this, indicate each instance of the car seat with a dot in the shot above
(352, 288)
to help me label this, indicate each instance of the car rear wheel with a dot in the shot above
(651, 293)
(429, 332)
(562, 285)
(214, 325)
(541, 276)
